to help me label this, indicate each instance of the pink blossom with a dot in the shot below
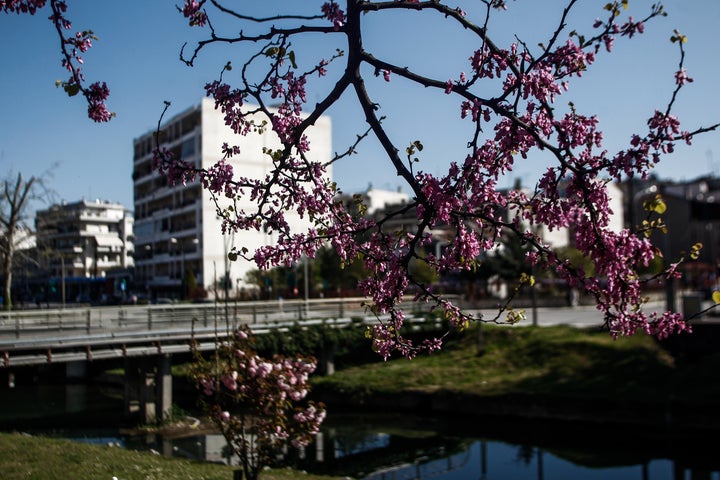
(334, 13)
(208, 387)
(681, 77)
(191, 10)
(230, 380)
(24, 6)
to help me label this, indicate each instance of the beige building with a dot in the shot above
(85, 239)
(177, 228)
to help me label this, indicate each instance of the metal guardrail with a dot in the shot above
(64, 335)
(34, 323)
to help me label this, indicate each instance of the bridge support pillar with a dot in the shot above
(327, 360)
(148, 388)
(76, 370)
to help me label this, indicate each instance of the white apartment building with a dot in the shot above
(85, 239)
(177, 228)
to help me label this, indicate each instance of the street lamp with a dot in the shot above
(62, 289)
(148, 272)
(184, 284)
(174, 243)
(181, 246)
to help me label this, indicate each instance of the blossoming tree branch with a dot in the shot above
(511, 96)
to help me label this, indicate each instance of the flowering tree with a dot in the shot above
(255, 402)
(509, 95)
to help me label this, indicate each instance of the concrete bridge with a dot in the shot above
(146, 337)
(36, 337)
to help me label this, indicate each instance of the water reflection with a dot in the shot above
(399, 447)
(380, 447)
(52, 405)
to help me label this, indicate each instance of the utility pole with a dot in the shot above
(62, 280)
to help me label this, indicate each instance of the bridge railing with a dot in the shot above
(91, 320)
(67, 335)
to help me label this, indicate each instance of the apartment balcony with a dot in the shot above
(185, 229)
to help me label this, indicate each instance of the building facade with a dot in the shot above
(563, 237)
(692, 216)
(181, 251)
(83, 243)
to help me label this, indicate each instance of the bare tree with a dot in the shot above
(14, 219)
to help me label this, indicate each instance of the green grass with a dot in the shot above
(37, 458)
(556, 361)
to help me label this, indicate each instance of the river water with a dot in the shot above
(381, 446)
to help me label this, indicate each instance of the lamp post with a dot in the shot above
(62, 286)
(180, 245)
(183, 280)
(149, 270)
(174, 242)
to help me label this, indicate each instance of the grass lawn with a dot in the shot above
(37, 458)
(546, 361)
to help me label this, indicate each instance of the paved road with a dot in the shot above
(581, 316)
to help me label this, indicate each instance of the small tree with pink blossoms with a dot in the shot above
(257, 403)
(509, 94)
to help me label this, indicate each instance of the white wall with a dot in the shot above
(379, 199)
(251, 163)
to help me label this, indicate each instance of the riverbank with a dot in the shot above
(556, 374)
(40, 458)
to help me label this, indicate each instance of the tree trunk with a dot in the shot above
(480, 340)
(7, 272)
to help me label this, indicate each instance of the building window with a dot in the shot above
(188, 148)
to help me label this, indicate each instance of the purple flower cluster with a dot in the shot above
(334, 13)
(97, 93)
(192, 11)
(21, 6)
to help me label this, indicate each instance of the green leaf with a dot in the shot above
(678, 37)
(71, 89)
(656, 205)
(716, 297)
(660, 206)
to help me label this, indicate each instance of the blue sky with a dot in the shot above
(42, 130)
